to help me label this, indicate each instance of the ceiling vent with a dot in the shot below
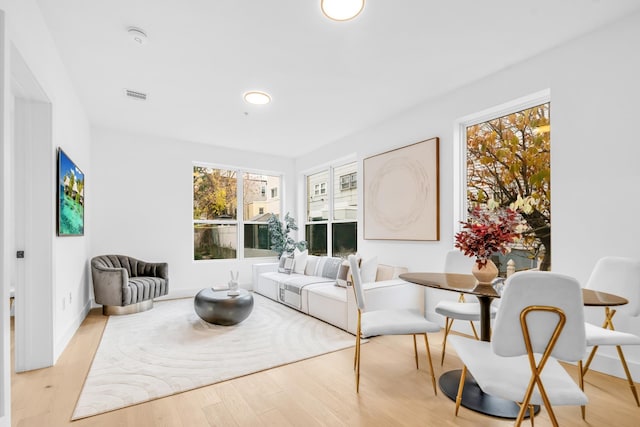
(135, 95)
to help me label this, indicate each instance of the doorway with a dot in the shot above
(31, 217)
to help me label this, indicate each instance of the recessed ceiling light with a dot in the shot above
(341, 10)
(257, 97)
(137, 35)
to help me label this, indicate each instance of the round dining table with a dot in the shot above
(473, 397)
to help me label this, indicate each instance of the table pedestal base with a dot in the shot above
(475, 399)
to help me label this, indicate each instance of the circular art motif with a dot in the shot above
(405, 186)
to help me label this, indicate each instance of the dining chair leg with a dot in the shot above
(629, 378)
(433, 376)
(473, 328)
(448, 323)
(415, 350)
(460, 389)
(357, 361)
(583, 408)
(531, 417)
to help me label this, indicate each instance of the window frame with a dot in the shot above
(239, 222)
(460, 148)
(329, 186)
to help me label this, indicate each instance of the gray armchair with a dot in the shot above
(125, 285)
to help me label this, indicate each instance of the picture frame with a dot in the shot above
(70, 195)
(402, 193)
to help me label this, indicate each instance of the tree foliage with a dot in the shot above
(508, 163)
(214, 193)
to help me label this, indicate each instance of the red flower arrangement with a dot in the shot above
(486, 232)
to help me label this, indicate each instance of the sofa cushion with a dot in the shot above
(328, 303)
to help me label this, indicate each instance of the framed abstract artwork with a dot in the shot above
(401, 193)
(70, 197)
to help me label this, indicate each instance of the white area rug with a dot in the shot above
(169, 349)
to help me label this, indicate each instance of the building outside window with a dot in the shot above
(219, 226)
(348, 182)
(508, 164)
(331, 227)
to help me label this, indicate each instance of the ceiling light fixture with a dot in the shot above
(341, 10)
(257, 98)
(137, 35)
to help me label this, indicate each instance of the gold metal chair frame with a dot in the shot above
(448, 323)
(536, 369)
(356, 359)
(608, 324)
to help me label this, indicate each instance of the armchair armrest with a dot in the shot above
(108, 284)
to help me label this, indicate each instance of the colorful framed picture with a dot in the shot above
(70, 197)
(401, 193)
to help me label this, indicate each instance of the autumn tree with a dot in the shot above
(214, 193)
(508, 164)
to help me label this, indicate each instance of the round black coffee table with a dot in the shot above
(221, 309)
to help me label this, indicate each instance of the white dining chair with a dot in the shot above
(457, 262)
(388, 322)
(619, 276)
(540, 320)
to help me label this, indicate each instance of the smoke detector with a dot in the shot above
(137, 35)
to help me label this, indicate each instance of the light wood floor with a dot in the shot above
(315, 392)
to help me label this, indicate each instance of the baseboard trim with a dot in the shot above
(70, 332)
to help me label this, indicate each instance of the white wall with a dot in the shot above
(594, 152)
(27, 32)
(144, 207)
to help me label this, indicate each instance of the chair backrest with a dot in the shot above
(619, 276)
(458, 262)
(540, 288)
(357, 282)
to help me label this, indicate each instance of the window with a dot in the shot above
(507, 163)
(348, 182)
(320, 189)
(274, 192)
(332, 218)
(217, 223)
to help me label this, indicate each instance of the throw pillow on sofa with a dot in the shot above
(369, 269)
(286, 263)
(300, 260)
(343, 274)
(328, 267)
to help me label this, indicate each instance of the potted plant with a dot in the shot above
(485, 232)
(281, 242)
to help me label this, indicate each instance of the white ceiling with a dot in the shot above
(327, 79)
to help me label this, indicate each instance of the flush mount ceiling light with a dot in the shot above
(341, 10)
(137, 35)
(257, 98)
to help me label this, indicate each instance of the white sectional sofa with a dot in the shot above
(319, 295)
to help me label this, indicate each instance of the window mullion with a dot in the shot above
(240, 213)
